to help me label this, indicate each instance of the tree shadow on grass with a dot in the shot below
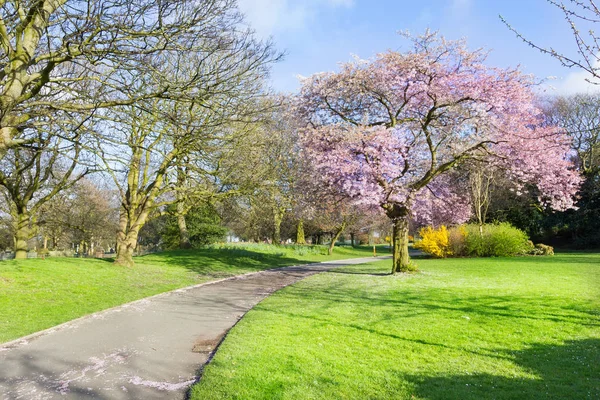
(562, 371)
(229, 261)
(405, 304)
(357, 271)
(568, 371)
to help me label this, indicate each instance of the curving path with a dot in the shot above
(149, 349)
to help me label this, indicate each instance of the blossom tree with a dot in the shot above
(387, 130)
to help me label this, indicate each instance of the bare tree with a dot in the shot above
(86, 215)
(582, 17)
(31, 176)
(579, 115)
(481, 181)
(79, 56)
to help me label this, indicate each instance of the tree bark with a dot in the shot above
(21, 235)
(184, 235)
(319, 238)
(352, 238)
(399, 214)
(335, 238)
(300, 239)
(401, 259)
(277, 218)
(127, 237)
(126, 243)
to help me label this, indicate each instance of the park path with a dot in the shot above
(148, 349)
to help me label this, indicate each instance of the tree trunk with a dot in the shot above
(184, 235)
(400, 251)
(21, 235)
(352, 238)
(127, 237)
(277, 218)
(335, 238)
(399, 214)
(300, 239)
(126, 244)
(319, 238)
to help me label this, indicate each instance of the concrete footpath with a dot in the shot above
(149, 349)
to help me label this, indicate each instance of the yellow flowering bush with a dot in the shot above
(434, 241)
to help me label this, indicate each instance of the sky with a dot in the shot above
(317, 35)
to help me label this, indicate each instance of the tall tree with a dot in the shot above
(579, 115)
(86, 215)
(31, 176)
(146, 145)
(388, 129)
(70, 56)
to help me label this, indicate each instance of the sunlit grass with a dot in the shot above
(512, 328)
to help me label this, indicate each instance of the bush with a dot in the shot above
(541, 250)
(494, 240)
(434, 241)
(203, 224)
(458, 240)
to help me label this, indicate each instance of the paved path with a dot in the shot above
(149, 349)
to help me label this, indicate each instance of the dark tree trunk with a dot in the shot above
(352, 239)
(399, 214)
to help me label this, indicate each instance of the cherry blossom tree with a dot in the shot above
(387, 130)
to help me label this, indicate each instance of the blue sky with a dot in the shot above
(318, 34)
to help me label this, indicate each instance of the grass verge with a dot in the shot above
(504, 328)
(37, 294)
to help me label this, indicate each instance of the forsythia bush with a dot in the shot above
(434, 241)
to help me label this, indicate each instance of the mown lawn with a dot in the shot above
(37, 294)
(514, 328)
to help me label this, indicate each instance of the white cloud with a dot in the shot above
(577, 81)
(268, 17)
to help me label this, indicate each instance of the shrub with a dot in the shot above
(494, 240)
(541, 250)
(434, 241)
(458, 240)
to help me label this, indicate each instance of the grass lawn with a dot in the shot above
(37, 294)
(504, 328)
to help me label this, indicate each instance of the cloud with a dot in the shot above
(577, 81)
(268, 17)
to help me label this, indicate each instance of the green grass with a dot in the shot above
(37, 294)
(504, 328)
